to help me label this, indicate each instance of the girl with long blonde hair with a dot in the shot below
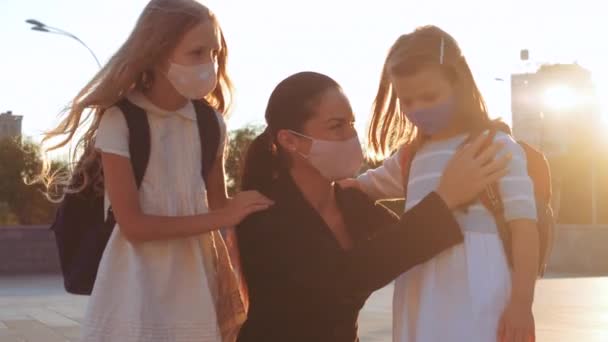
(165, 273)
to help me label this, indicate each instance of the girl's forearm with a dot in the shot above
(525, 242)
(143, 227)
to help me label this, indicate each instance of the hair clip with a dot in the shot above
(441, 50)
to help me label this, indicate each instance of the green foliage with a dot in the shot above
(239, 142)
(24, 204)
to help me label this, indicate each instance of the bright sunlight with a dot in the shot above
(561, 97)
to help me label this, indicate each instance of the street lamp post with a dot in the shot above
(542, 132)
(594, 185)
(593, 193)
(41, 27)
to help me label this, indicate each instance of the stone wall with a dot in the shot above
(578, 250)
(28, 249)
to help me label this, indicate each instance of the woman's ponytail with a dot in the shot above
(261, 163)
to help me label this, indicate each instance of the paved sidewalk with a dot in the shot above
(35, 309)
(566, 310)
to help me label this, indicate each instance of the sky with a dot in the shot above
(271, 39)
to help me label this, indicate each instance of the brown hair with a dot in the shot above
(290, 106)
(427, 46)
(156, 33)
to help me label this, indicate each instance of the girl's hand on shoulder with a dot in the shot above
(244, 204)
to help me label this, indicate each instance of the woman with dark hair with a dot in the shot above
(312, 260)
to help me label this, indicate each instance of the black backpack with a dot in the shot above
(81, 232)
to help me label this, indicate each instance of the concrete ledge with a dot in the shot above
(28, 249)
(578, 250)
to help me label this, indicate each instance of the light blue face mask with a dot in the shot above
(433, 120)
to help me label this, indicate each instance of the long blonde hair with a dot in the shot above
(427, 46)
(157, 32)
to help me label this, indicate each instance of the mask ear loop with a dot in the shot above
(305, 137)
(442, 50)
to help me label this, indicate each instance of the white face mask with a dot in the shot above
(193, 82)
(335, 160)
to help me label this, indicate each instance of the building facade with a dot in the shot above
(556, 109)
(10, 125)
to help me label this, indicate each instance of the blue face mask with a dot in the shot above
(433, 120)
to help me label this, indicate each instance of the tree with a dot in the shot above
(21, 161)
(237, 147)
(7, 217)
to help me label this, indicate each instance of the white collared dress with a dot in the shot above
(161, 290)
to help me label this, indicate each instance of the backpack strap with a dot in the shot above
(210, 134)
(139, 144)
(491, 198)
(407, 154)
(139, 138)
(539, 171)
